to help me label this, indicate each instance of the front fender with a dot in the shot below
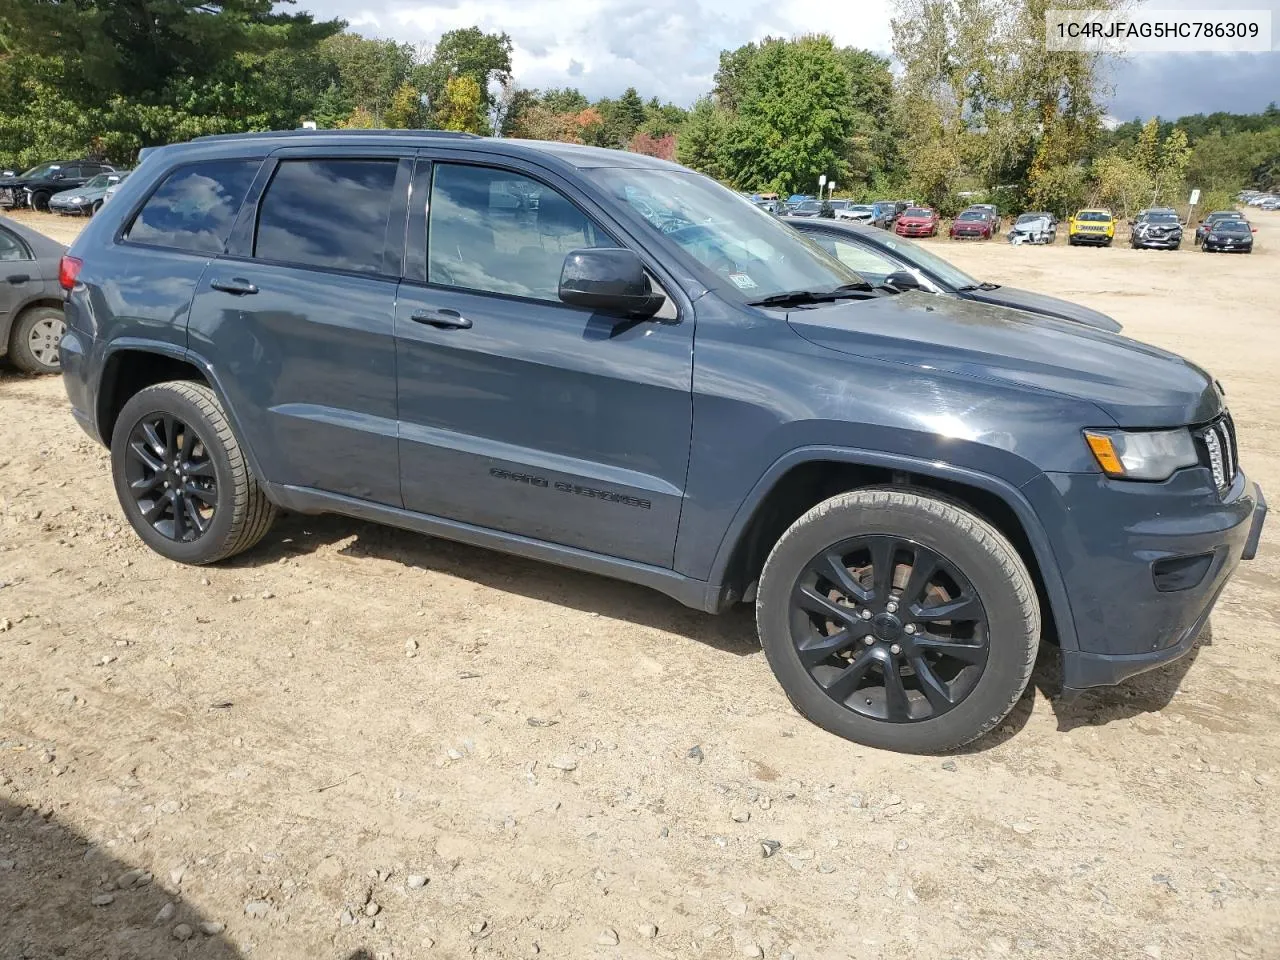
(1007, 492)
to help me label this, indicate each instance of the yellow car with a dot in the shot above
(1091, 226)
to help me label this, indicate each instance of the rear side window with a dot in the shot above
(327, 213)
(11, 248)
(195, 207)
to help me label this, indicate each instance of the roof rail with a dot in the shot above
(447, 134)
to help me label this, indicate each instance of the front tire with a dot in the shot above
(40, 201)
(36, 339)
(182, 477)
(851, 608)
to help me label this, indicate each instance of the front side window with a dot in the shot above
(327, 213)
(11, 248)
(499, 232)
(865, 261)
(756, 255)
(196, 206)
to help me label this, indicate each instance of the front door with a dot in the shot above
(518, 412)
(297, 319)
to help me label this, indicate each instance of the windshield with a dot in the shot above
(1232, 226)
(972, 215)
(810, 205)
(1093, 216)
(1032, 217)
(41, 171)
(918, 212)
(1222, 215)
(1162, 218)
(100, 181)
(755, 254)
(948, 273)
(862, 208)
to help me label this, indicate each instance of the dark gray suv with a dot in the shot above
(612, 363)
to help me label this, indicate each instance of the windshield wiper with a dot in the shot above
(796, 297)
(985, 285)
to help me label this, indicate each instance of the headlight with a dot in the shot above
(75, 200)
(1149, 455)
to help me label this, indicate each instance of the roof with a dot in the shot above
(1094, 210)
(571, 154)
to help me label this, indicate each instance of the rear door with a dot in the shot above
(19, 274)
(297, 319)
(521, 413)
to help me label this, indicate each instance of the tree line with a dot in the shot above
(975, 104)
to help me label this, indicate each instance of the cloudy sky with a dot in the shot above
(669, 48)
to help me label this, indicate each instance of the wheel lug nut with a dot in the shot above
(865, 614)
(910, 628)
(892, 606)
(895, 649)
(868, 639)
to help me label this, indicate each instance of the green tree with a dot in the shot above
(368, 72)
(703, 141)
(628, 115)
(405, 111)
(462, 106)
(470, 52)
(1171, 169)
(564, 100)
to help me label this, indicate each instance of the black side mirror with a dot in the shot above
(901, 281)
(608, 279)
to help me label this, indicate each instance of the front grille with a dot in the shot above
(1218, 450)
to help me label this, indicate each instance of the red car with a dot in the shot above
(973, 225)
(917, 222)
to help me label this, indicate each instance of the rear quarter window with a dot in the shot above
(195, 206)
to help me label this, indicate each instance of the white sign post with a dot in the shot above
(822, 182)
(1195, 198)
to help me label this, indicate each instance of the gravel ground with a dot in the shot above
(360, 743)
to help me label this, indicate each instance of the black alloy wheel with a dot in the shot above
(171, 477)
(889, 628)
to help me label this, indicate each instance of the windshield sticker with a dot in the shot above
(742, 281)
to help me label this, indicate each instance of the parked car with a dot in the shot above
(1032, 227)
(31, 322)
(994, 212)
(917, 222)
(1230, 236)
(906, 487)
(1157, 230)
(1094, 227)
(34, 187)
(972, 224)
(858, 212)
(88, 199)
(771, 206)
(808, 208)
(1155, 211)
(889, 262)
(1271, 203)
(796, 199)
(1208, 222)
(884, 214)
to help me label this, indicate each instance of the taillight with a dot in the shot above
(68, 271)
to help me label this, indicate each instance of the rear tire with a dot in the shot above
(97, 205)
(182, 477)
(959, 565)
(35, 339)
(40, 201)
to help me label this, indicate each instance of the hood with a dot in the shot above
(1135, 384)
(970, 224)
(87, 194)
(1032, 226)
(1042, 304)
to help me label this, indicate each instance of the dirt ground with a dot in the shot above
(265, 743)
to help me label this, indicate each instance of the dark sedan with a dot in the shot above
(1156, 231)
(895, 263)
(34, 187)
(31, 323)
(1229, 236)
(1207, 223)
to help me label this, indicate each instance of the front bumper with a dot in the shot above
(1111, 539)
(1098, 239)
(1158, 243)
(915, 230)
(1221, 247)
(969, 235)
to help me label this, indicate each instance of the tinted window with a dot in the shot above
(11, 248)
(862, 260)
(497, 231)
(195, 207)
(327, 213)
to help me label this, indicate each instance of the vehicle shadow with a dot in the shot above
(49, 879)
(1146, 693)
(732, 632)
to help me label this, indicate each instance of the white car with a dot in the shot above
(858, 212)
